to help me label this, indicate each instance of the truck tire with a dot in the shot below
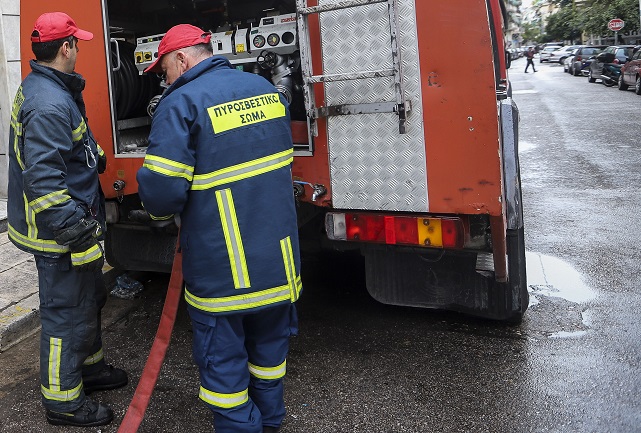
(139, 248)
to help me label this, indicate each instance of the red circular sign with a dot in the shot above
(616, 24)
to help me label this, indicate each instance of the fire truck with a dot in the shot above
(405, 133)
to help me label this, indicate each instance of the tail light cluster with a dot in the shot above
(435, 232)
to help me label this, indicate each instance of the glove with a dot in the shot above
(102, 162)
(86, 252)
(87, 257)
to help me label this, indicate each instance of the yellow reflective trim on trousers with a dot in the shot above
(242, 171)
(268, 373)
(86, 256)
(290, 266)
(44, 245)
(76, 134)
(95, 358)
(225, 401)
(244, 112)
(241, 302)
(100, 151)
(168, 167)
(51, 199)
(233, 240)
(57, 395)
(53, 368)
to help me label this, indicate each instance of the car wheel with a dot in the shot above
(575, 72)
(622, 85)
(637, 86)
(590, 78)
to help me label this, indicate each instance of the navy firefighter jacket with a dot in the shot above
(220, 154)
(53, 161)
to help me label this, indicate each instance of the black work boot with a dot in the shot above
(107, 378)
(270, 429)
(90, 414)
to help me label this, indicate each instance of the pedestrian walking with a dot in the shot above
(219, 156)
(56, 212)
(529, 55)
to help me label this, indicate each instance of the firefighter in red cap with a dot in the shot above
(56, 212)
(219, 156)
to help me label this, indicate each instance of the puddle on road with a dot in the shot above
(551, 276)
(525, 146)
(565, 334)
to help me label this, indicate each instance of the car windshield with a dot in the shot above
(624, 52)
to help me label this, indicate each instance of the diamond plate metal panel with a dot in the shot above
(372, 166)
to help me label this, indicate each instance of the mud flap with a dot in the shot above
(445, 281)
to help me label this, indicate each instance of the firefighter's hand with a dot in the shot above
(88, 256)
(77, 234)
(86, 252)
(102, 162)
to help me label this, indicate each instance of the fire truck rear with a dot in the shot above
(404, 130)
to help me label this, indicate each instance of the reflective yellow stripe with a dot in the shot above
(87, 256)
(16, 125)
(51, 199)
(76, 134)
(168, 167)
(233, 239)
(242, 302)
(30, 219)
(100, 151)
(223, 400)
(44, 245)
(244, 112)
(17, 133)
(55, 352)
(95, 358)
(242, 171)
(290, 267)
(69, 395)
(268, 373)
(162, 218)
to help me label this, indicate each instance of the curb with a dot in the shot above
(22, 320)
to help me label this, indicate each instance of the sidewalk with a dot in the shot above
(19, 303)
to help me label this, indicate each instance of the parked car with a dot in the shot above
(568, 60)
(546, 52)
(559, 55)
(631, 73)
(582, 59)
(615, 55)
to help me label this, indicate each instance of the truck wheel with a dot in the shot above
(139, 248)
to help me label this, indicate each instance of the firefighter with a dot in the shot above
(220, 154)
(56, 212)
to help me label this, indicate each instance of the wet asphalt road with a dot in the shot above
(362, 367)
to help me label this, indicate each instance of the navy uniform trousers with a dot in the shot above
(242, 361)
(71, 339)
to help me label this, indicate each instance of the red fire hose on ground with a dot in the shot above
(140, 401)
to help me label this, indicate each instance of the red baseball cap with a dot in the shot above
(57, 25)
(177, 37)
